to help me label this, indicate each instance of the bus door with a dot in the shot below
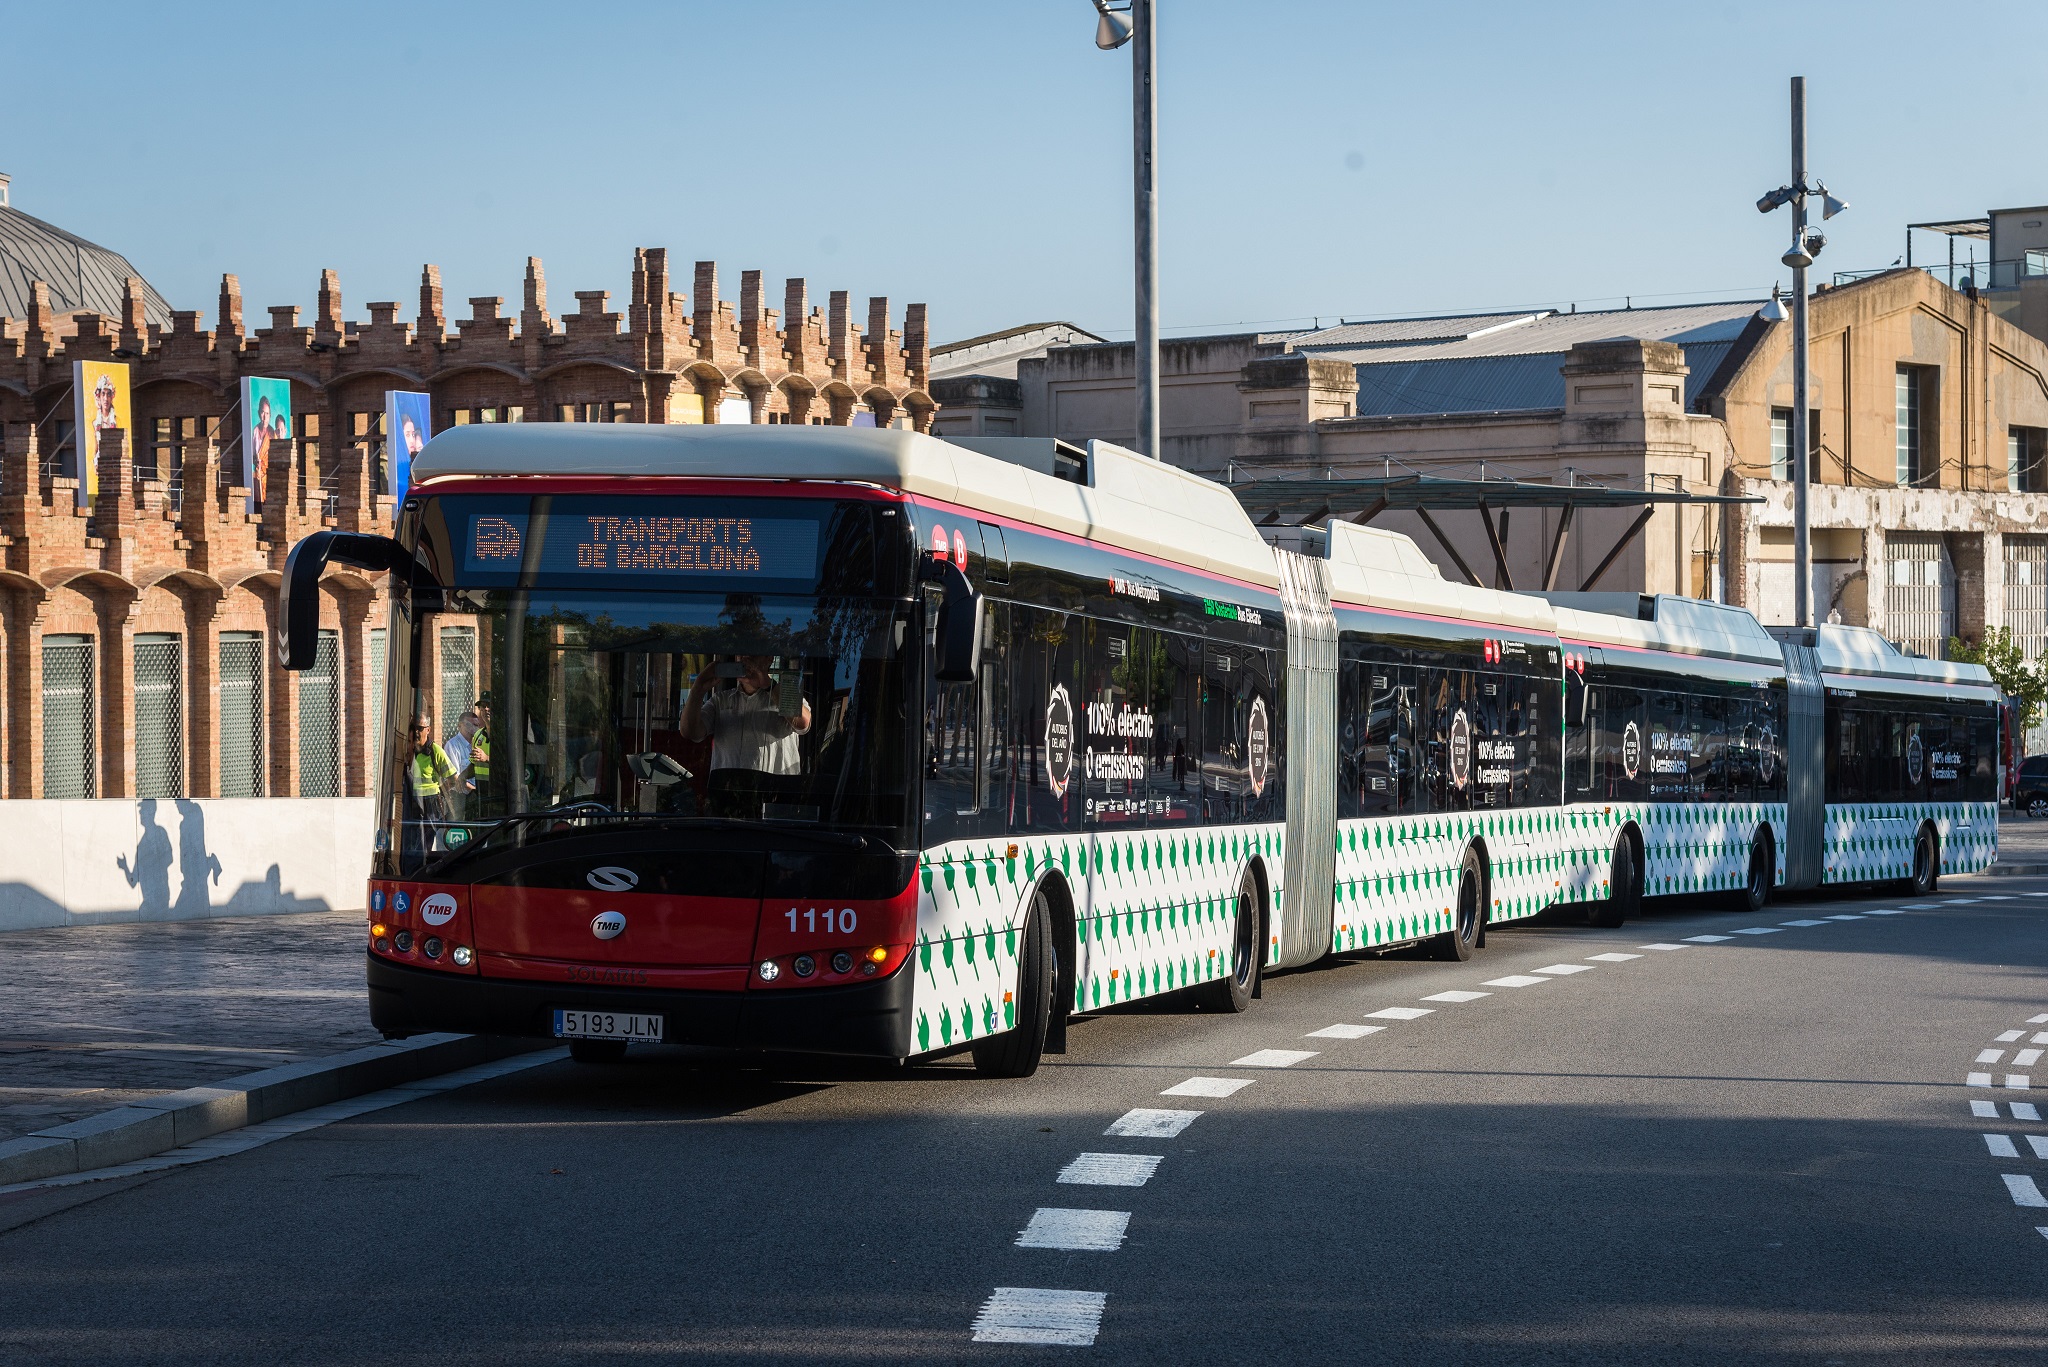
(1581, 724)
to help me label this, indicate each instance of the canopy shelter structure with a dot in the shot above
(1302, 502)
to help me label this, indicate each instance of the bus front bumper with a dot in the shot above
(867, 1020)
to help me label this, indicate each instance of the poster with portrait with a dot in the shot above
(266, 417)
(406, 430)
(100, 398)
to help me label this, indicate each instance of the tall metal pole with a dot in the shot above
(1802, 542)
(1145, 111)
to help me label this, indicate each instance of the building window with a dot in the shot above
(378, 658)
(463, 417)
(320, 721)
(366, 434)
(68, 717)
(159, 715)
(241, 714)
(1920, 596)
(458, 676)
(1908, 424)
(736, 410)
(2026, 593)
(1781, 443)
(614, 410)
(2025, 448)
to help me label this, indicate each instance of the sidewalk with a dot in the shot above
(93, 1017)
(2022, 841)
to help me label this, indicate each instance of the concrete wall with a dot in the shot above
(179, 859)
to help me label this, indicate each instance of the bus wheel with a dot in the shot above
(1016, 1051)
(1234, 993)
(1756, 883)
(1456, 944)
(1926, 862)
(1624, 892)
(597, 1050)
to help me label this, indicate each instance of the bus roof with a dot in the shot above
(1860, 650)
(1684, 626)
(1381, 569)
(1129, 501)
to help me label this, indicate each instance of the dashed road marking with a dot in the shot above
(1987, 1110)
(2018, 1082)
(2026, 1058)
(1759, 930)
(1845, 918)
(1456, 996)
(1111, 1169)
(2010, 1036)
(1958, 901)
(2024, 1190)
(1208, 1086)
(1979, 1080)
(1029, 1314)
(1996, 897)
(2024, 1110)
(1144, 1123)
(1663, 946)
(1802, 923)
(2040, 1037)
(1400, 1013)
(1883, 911)
(1566, 970)
(2038, 1143)
(2041, 1019)
(1076, 1231)
(1344, 1032)
(1273, 1058)
(1707, 939)
(1990, 1055)
(2001, 1146)
(1921, 906)
(1516, 980)
(1613, 958)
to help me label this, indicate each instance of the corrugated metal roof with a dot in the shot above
(1562, 331)
(1394, 331)
(81, 275)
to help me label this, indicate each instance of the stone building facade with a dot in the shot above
(135, 632)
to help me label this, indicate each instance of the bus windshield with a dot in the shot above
(666, 707)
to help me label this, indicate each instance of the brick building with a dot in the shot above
(134, 632)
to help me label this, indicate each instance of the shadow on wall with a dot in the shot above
(198, 870)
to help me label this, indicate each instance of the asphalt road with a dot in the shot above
(1754, 1149)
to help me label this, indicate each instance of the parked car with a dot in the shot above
(2030, 789)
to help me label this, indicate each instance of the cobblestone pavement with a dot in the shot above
(92, 1017)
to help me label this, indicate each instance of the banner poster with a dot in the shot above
(100, 398)
(407, 427)
(266, 417)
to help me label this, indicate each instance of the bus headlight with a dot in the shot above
(432, 945)
(463, 956)
(804, 965)
(770, 970)
(842, 962)
(403, 939)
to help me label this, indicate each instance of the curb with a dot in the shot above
(151, 1126)
(2017, 870)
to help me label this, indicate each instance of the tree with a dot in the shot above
(2007, 664)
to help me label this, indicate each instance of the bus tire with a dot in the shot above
(1624, 889)
(1458, 943)
(1758, 878)
(1016, 1051)
(1926, 861)
(597, 1050)
(1235, 991)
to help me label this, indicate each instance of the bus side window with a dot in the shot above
(993, 783)
(1174, 788)
(1377, 795)
(1580, 716)
(1044, 695)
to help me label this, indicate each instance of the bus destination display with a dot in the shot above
(659, 545)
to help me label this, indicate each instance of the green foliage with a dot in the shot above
(2000, 654)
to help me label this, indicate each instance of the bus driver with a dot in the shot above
(746, 723)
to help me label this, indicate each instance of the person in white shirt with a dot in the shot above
(458, 747)
(746, 724)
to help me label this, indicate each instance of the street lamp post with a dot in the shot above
(1806, 245)
(1113, 29)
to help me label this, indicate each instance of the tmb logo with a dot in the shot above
(612, 878)
(608, 925)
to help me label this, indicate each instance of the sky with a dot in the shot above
(1318, 159)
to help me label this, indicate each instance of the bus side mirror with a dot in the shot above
(298, 598)
(959, 626)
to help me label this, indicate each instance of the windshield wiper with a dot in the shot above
(598, 813)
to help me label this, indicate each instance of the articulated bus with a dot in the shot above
(867, 742)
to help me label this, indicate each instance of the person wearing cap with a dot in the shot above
(428, 777)
(480, 745)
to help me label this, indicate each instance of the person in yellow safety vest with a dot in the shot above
(480, 744)
(427, 773)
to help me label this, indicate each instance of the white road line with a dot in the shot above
(2035, 894)
(1884, 911)
(1921, 906)
(1707, 939)
(1150, 1124)
(2038, 1143)
(1958, 901)
(2026, 1058)
(2038, 1020)
(1111, 1169)
(1802, 923)
(2024, 1110)
(1663, 946)
(2010, 1036)
(1566, 970)
(1273, 1058)
(2001, 1146)
(1208, 1086)
(1987, 1110)
(1845, 918)
(1515, 980)
(2024, 1191)
(2018, 1082)
(1990, 1055)
(1027, 1314)
(1076, 1231)
(1400, 1013)
(1344, 1032)
(1613, 958)
(1456, 996)
(1979, 1080)
(1996, 897)
(1760, 930)
(2040, 1037)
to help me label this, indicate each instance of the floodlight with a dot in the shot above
(1829, 205)
(1776, 198)
(1797, 257)
(1815, 240)
(1113, 29)
(1773, 311)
